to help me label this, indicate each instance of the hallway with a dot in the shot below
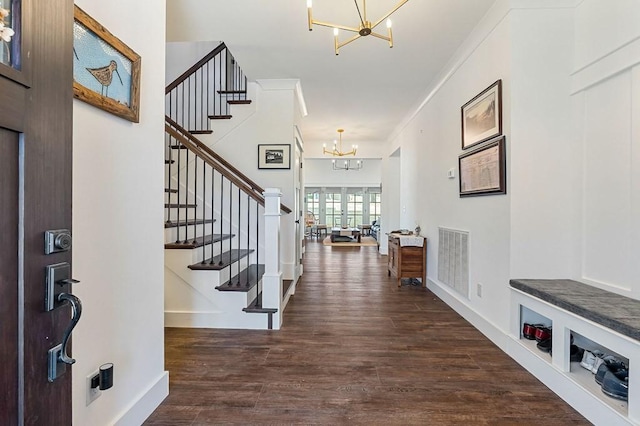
(353, 349)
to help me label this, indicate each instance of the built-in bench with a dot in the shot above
(619, 313)
(594, 319)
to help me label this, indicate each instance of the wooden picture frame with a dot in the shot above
(481, 117)
(106, 72)
(483, 170)
(276, 156)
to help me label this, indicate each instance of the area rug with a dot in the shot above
(366, 242)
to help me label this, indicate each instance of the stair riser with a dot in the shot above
(172, 214)
(179, 260)
(170, 234)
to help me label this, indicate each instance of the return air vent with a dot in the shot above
(453, 259)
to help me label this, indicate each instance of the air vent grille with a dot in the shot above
(453, 259)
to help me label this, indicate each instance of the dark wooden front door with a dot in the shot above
(35, 196)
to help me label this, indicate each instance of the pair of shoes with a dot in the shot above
(591, 360)
(529, 330)
(610, 363)
(536, 332)
(545, 345)
(616, 384)
(575, 353)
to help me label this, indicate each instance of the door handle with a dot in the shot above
(76, 307)
(57, 294)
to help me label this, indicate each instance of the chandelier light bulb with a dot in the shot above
(309, 3)
(336, 32)
(388, 22)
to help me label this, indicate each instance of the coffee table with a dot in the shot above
(338, 233)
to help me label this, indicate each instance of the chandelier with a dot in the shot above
(337, 147)
(365, 27)
(347, 165)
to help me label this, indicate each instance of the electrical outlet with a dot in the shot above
(479, 290)
(92, 393)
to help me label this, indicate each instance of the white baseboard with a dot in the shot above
(194, 319)
(148, 401)
(490, 330)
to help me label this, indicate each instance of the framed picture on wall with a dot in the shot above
(483, 170)
(106, 72)
(482, 116)
(274, 156)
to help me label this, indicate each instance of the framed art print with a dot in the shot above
(482, 116)
(483, 170)
(106, 72)
(274, 156)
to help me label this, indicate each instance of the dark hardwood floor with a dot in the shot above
(354, 349)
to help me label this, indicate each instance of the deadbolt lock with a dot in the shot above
(57, 240)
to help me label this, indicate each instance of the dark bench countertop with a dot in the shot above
(619, 313)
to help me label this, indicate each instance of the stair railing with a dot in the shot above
(206, 90)
(213, 199)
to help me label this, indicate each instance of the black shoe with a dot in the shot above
(610, 364)
(616, 385)
(545, 345)
(576, 353)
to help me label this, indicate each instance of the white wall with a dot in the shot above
(181, 55)
(542, 145)
(118, 176)
(319, 173)
(429, 146)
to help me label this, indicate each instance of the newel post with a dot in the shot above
(272, 278)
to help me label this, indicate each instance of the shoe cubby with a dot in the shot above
(567, 378)
(586, 378)
(537, 321)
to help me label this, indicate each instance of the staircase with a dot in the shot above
(217, 239)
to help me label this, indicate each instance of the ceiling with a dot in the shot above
(369, 88)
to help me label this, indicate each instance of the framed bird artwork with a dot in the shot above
(106, 72)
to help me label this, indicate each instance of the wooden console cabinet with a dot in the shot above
(408, 261)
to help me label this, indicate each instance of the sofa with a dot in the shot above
(375, 229)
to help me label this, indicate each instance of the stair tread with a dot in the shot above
(252, 308)
(244, 281)
(174, 224)
(241, 102)
(171, 191)
(226, 92)
(178, 147)
(181, 205)
(201, 132)
(220, 117)
(198, 241)
(221, 261)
